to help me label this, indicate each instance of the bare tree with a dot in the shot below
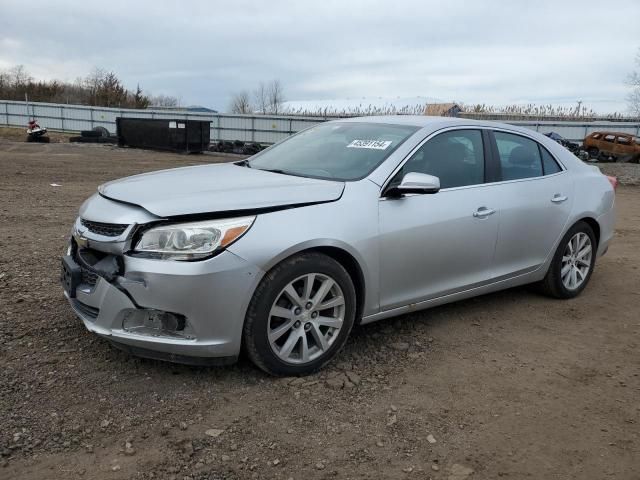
(261, 98)
(163, 101)
(241, 102)
(93, 83)
(275, 96)
(634, 83)
(18, 77)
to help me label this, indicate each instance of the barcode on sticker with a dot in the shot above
(373, 144)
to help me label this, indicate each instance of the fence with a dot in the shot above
(248, 128)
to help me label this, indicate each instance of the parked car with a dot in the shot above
(618, 146)
(347, 222)
(573, 147)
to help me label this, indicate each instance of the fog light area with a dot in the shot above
(157, 323)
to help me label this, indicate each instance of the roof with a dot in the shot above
(439, 109)
(417, 120)
(602, 132)
(436, 123)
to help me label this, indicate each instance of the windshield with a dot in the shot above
(334, 151)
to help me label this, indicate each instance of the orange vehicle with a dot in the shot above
(618, 146)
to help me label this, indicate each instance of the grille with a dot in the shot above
(86, 310)
(105, 229)
(89, 277)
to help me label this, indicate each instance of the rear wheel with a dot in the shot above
(572, 264)
(300, 315)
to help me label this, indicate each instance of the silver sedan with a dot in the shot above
(347, 222)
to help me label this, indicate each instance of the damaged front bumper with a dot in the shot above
(187, 312)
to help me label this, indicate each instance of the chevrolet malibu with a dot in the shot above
(347, 222)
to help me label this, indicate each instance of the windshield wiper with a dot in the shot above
(277, 170)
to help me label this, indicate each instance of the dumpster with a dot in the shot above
(187, 136)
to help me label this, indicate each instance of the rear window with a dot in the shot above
(549, 164)
(519, 156)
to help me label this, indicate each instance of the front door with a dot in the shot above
(435, 244)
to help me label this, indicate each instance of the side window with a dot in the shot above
(609, 138)
(519, 156)
(455, 157)
(624, 141)
(549, 163)
(595, 135)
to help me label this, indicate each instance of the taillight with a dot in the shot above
(613, 181)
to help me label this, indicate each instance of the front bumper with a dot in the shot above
(212, 295)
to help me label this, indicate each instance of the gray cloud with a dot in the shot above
(495, 52)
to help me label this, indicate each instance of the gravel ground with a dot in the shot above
(511, 385)
(627, 173)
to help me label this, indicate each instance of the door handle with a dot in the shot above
(483, 212)
(557, 198)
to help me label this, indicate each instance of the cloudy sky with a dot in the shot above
(493, 51)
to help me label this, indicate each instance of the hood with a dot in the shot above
(218, 188)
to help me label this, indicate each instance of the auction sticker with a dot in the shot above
(372, 144)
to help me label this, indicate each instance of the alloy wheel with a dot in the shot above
(306, 318)
(576, 261)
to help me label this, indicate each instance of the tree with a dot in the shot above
(241, 103)
(269, 97)
(275, 95)
(261, 98)
(139, 99)
(634, 83)
(18, 77)
(99, 88)
(92, 84)
(163, 101)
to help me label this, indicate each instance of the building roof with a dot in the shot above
(440, 109)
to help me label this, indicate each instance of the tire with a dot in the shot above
(102, 131)
(90, 134)
(593, 152)
(553, 283)
(301, 328)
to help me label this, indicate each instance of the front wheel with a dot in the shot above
(572, 264)
(300, 315)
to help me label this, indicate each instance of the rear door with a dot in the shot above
(608, 143)
(623, 145)
(536, 195)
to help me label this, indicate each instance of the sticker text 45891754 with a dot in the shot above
(372, 144)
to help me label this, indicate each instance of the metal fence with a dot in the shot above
(248, 128)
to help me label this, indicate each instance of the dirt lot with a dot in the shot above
(511, 385)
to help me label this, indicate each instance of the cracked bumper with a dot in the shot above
(213, 296)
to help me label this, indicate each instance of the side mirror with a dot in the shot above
(414, 182)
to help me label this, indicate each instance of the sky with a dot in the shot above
(495, 52)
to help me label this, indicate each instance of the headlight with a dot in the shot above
(192, 241)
